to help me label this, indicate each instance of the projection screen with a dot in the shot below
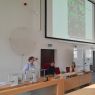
(70, 20)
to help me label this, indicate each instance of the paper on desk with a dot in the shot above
(3, 83)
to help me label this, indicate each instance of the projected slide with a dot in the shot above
(70, 20)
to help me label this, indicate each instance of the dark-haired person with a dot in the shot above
(51, 69)
(30, 66)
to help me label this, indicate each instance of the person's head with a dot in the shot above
(31, 59)
(52, 64)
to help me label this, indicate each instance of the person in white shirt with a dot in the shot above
(29, 65)
(30, 68)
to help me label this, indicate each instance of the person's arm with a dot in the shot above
(26, 68)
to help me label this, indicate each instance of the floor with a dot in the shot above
(89, 90)
(73, 91)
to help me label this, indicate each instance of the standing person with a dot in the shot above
(29, 65)
(30, 69)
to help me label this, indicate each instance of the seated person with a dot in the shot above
(51, 69)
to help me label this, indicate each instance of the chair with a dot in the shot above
(44, 68)
(57, 70)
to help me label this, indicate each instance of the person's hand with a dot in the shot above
(35, 59)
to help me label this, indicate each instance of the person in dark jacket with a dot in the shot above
(51, 69)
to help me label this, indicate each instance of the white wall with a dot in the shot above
(14, 14)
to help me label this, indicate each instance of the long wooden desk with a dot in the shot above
(59, 83)
(90, 90)
(77, 81)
